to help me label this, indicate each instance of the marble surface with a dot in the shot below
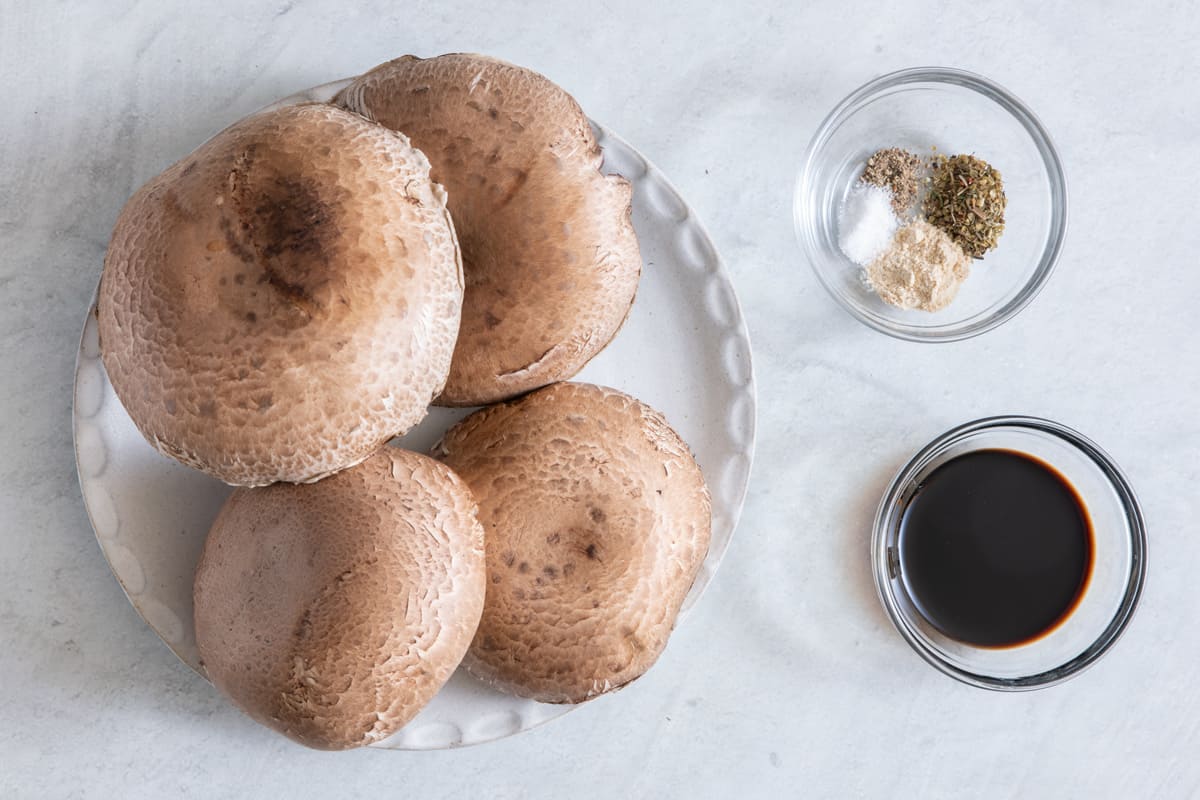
(787, 679)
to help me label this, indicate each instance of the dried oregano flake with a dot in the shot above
(966, 200)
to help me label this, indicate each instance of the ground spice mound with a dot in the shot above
(922, 269)
(895, 170)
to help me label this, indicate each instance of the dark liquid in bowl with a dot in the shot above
(995, 548)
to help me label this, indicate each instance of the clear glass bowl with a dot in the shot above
(955, 112)
(1108, 600)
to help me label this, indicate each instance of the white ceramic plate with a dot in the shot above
(684, 350)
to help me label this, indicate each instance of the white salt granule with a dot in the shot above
(866, 223)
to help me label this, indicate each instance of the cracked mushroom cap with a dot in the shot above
(332, 612)
(596, 519)
(285, 299)
(549, 250)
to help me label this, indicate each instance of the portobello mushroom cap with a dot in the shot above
(284, 300)
(549, 250)
(332, 612)
(596, 521)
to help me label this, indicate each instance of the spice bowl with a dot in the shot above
(1108, 594)
(935, 112)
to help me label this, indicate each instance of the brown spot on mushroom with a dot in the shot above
(290, 227)
(233, 243)
(519, 177)
(173, 207)
(590, 552)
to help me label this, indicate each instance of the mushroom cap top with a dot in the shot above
(332, 612)
(549, 250)
(285, 299)
(597, 520)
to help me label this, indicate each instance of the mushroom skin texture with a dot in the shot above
(284, 300)
(596, 519)
(333, 612)
(549, 250)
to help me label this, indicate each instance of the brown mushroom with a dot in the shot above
(284, 300)
(549, 250)
(597, 520)
(333, 612)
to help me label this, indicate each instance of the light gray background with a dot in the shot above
(787, 679)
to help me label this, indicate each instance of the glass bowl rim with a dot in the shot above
(1051, 161)
(1137, 535)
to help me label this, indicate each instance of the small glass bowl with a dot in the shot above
(955, 112)
(1108, 600)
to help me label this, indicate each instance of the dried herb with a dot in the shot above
(966, 200)
(895, 170)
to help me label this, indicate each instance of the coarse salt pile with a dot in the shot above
(867, 223)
